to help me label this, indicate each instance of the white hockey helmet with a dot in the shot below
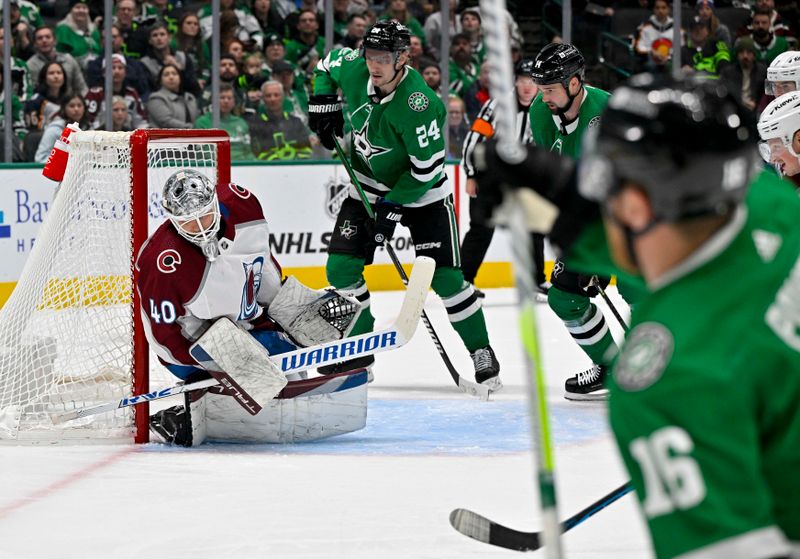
(779, 121)
(188, 197)
(784, 69)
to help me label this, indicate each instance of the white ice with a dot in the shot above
(386, 491)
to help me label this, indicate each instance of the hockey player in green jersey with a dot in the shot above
(398, 157)
(560, 115)
(704, 393)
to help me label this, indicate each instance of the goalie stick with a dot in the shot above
(480, 528)
(397, 335)
(473, 388)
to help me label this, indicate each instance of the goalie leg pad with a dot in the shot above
(183, 425)
(240, 363)
(313, 317)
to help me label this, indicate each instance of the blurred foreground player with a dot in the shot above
(704, 393)
(207, 268)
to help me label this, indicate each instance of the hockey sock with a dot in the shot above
(585, 323)
(345, 273)
(463, 307)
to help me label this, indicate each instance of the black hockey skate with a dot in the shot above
(587, 385)
(173, 425)
(365, 362)
(487, 369)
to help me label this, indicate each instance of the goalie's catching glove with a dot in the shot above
(325, 118)
(544, 185)
(387, 216)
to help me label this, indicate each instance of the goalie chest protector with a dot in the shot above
(178, 285)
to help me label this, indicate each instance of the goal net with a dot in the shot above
(70, 334)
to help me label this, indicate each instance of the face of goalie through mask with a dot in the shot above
(190, 200)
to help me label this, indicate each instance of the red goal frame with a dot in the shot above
(139, 216)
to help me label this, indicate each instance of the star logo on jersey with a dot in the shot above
(418, 102)
(364, 147)
(346, 230)
(644, 357)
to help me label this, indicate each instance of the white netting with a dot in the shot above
(66, 333)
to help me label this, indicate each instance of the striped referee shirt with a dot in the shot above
(483, 127)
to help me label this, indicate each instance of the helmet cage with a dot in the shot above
(188, 197)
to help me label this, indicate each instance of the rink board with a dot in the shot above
(300, 202)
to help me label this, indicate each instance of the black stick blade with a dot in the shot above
(480, 528)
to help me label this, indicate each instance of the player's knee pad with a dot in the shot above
(447, 281)
(344, 270)
(568, 306)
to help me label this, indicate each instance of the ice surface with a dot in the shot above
(384, 492)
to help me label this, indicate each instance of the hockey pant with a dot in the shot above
(584, 320)
(434, 233)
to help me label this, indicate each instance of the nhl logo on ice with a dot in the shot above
(418, 102)
(337, 193)
(644, 357)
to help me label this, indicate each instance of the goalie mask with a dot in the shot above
(191, 202)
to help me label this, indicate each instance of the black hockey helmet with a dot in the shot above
(688, 143)
(387, 35)
(557, 63)
(524, 68)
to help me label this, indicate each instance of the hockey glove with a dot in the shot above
(325, 118)
(387, 216)
(544, 185)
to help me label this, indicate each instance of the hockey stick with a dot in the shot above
(596, 283)
(480, 528)
(501, 81)
(301, 359)
(479, 390)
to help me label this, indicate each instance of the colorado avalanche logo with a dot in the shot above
(252, 274)
(167, 262)
(240, 191)
(337, 193)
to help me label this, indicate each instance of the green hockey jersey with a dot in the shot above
(546, 128)
(398, 147)
(704, 393)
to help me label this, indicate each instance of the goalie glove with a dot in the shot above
(544, 185)
(325, 118)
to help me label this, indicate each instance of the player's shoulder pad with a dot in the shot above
(167, 253)
(238, 204)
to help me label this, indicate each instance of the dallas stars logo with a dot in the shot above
(346, 230)
(364, 147)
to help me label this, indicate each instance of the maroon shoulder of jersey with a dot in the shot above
(238, 205)
(169, 266)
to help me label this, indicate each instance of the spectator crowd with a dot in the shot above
(161, 62)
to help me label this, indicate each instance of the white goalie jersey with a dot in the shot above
(181, 293)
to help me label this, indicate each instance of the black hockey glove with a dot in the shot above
(548, 174)
(387, 216)
(325, 118)
(590, 285)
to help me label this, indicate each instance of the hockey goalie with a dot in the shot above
(213, 305)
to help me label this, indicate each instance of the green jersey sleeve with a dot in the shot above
(328, 72)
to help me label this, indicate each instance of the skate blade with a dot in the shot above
(494, 384)
(589, 397)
